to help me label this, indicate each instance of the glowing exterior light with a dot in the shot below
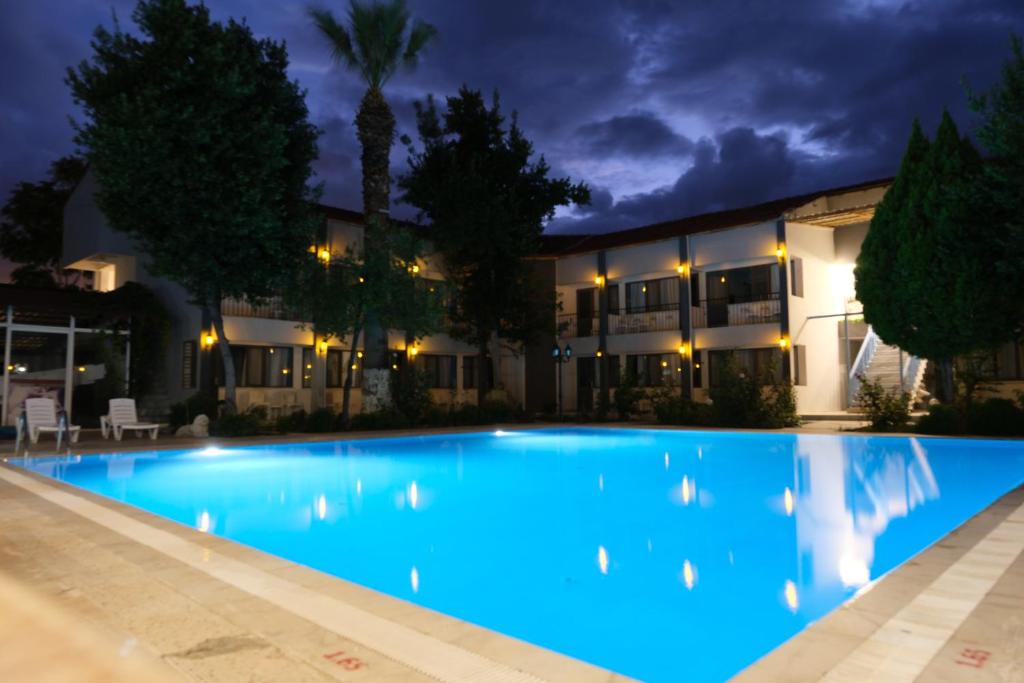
(414, 580)
(684, 349)
(722, 279)
(81, 368)
(284, 371)
(602, 559)
(208, 339)
(689, 576)
(664, 363)
(324, 255)
(414, 269)
(599, 353)
(599, 280)
(309, 366)
(362, 279)
(783, 343)
(781, 252)
(323, 347)
(321, 507)
(790, 594)
(355, 366)
(413, 351)
(681, 269)
(359, 354)
(787, 500)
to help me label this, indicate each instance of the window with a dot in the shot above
(800, 365)
(614, 371)
(652, 295)
(653, 369)
(307, 367)
(470, 376)
(189, 365)
(257, 366)
(613, 299)
(751, 362)
(440, 370)
(796, 267)
(337, 370)
(694, 288)
(740, 285)
(698, 369)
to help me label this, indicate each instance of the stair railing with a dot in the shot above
(860, 364)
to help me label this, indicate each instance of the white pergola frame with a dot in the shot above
(10, 327)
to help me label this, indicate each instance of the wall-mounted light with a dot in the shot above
(783, 343)
(600, 353)
(599, 280)
(208, 339)
(81, 368)
(324, 255)
(681, 269)
(359, 354)
(414, 269)
(684, 349)
(413, 351)
(780, 253)
(323, 346)
(722, 279)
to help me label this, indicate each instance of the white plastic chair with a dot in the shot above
(123, 415)
(41, 417)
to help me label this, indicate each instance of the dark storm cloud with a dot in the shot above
(780, 98)
(637, 135)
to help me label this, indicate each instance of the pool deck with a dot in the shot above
(91, 589)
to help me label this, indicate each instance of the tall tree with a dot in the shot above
(487, 202)
(923, 274)
(203, 149)
(32, 226)
(1000, 192)
(379, 39)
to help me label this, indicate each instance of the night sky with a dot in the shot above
(665, 108)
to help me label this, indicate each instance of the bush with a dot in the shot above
(627, 395)
(995, 417)
(410, 391)
(672, 409)
(497, 410)
(941, 419)
(382, 419)
(319, 420)
(888, 410)
(779, 406)
(468, 414)
(743, 400)
(184, 412)
(292, 422)
(248, 423)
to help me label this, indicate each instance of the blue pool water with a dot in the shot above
(662, 555)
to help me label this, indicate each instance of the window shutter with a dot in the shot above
(797, 269)
(800, 358)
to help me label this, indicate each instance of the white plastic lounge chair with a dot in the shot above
(124, 416)
(40, 417)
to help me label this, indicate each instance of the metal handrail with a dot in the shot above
(860, 363)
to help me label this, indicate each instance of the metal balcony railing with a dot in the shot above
(729, 312)
(273, 309)
(657, 318)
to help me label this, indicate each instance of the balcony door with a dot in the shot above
(586, 382)
(738, 286)
(586, 312)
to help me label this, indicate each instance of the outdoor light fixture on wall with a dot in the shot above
(599, 280)
(783, 343)
(209, 339)
(682, 269)
(780, 253)
(684, 350)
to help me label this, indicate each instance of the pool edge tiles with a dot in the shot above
(418, 639)
(918, 622)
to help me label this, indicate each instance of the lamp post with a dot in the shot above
(560, 356)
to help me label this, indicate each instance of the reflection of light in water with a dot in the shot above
(666, 460)
(212, 450)
(700, 453)
(788, 500)
(853, 571)
(414, 580)
(650, 546)
(204, 522)
(359, 487)
(689, 576)
(414, 495)
(321, 507)
(602, 559)
(792, 599)
(686, 491)
(600, 482)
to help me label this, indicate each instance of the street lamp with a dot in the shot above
(560, 356)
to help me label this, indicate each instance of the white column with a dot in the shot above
(69, 369)
(8, 329)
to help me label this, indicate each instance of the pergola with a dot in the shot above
(33, 321)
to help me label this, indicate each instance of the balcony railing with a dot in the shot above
(649, 319)
(728, 312)
(273, 309)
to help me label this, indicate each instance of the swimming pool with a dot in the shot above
(663, 555)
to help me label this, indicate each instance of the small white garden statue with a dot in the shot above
(199, 427)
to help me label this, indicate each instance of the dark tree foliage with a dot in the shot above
(487, 203)
(202, 148)
(32, 226)
(1000, 192)
(924, 272)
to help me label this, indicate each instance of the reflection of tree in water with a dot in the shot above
(889, 481)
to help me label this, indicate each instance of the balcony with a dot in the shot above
(658, 318)
(730, 311)
(571, 325)
(272, 309)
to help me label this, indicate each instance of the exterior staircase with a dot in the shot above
(895, 370)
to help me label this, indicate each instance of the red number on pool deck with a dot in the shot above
(975, 658)
(348, 663)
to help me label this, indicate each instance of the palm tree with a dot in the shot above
(378, 40)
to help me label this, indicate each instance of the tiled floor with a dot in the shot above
(145, 599)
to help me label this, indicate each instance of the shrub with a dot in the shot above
(240, 424)
(941, 419)
(184, 412)
(672, 409)
(468, 414)
(888, 409)
(497, 410)
(627, 395)
(410, 391)
(736, 398)
(382, 419)
(779, 406)
(292, 422)
(995, 417)
(319, 420)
